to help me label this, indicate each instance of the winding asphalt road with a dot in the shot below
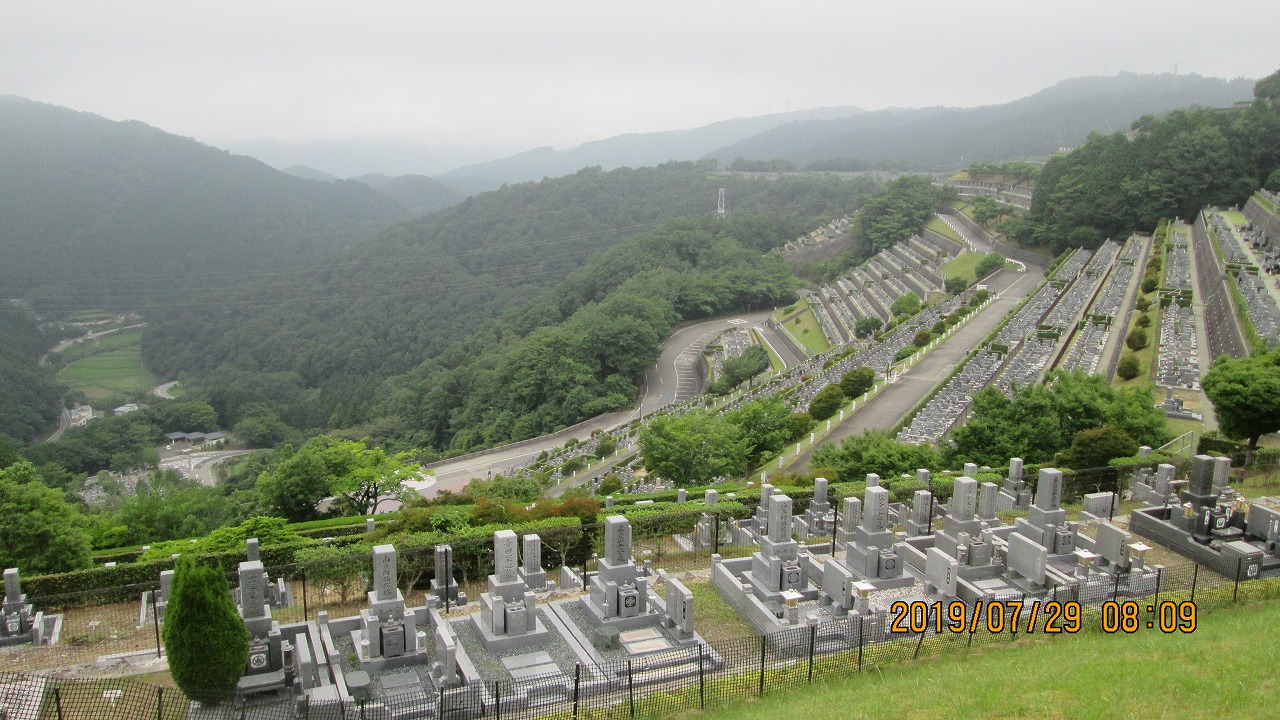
(675, 379)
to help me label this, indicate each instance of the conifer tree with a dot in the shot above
(204, 637)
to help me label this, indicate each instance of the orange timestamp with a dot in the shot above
(1049, 617)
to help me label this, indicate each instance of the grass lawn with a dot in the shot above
(774, 361)
(113, 371)
(1221, 670)
(804, 327)
(937, 225)
(712, 617)
(1235, 217)
(964, 265)
(114, 341)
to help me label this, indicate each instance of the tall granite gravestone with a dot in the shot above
(705, 534)
(20, 623)
(961, 529)
(443, 586)
(267, 669)
(507, 611)
(618, 592)
(531, 571)
(814, 521)
(1015, 495)
(1046, 523)
(850, 519)
(278, 593)
(919, 519)
(776, 567)
(871, 554)
(388, 635)
(987, 493)
(161, 600)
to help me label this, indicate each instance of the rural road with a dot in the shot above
(87, 336)
(199, 465)
(674, 379)
(162, 391)
(887, 408)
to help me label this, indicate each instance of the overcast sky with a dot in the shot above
(494, 77)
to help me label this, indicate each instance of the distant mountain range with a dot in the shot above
(98, 213)
(934, 138)
(949, 138)
(634, 149)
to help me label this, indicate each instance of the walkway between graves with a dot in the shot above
(887, 408)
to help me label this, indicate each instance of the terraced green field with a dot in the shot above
(110, 369)
(964, 265)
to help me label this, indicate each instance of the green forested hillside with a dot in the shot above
(100, 213)
(417, 194)
(316, 345)
(1169, 166)
(949, 138)
(30, 398)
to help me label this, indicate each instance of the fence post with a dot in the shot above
(762, 647)
(1235, 594)
(813, 641)
(57, 702)
(305, 615)
(860, 624)
(155, 614)
(715, 533)
(577, 684)
(497, 699)
(920, 642)
(1115, 591)
(631, 689)
(159, 703)
(1159, 580)
(1195, 575)
(702, 682)
(440, 697)
(835, 528)
(584, 574)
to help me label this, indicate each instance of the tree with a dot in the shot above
(798, 425)
(875, 451)
(693, 448)
(606, 447)
(1273, 181)
(826, 403)
(204, 638)
(1136, 339)
(908, 304)
(41, 532)
(1128, 367)
(956, 285)
(1245, 393)
(989, 263)
(867, 326)
(1096, 447)
(921, 338)
(764, 425)
(857, 381)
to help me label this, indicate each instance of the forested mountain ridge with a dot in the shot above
(103, 213)
(945, 138)
(316, 345)
(30, 398)
(1170, 166)
(631, 149)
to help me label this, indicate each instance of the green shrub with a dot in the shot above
(1128, 367)
(826, 403)
(1137, 339)
(204, 637)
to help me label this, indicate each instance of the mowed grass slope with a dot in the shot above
(1225, 669)
(114, 369)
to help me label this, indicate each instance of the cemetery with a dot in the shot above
(1203, 518)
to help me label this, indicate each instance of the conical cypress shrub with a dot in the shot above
(204, 637)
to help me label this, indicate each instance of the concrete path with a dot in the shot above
(888, 408)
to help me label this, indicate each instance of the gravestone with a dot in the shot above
(265, 671)
(1099, 505)
(919, 521)
(679, 609)
(531, 571)
(507, 611)
(20, 623)
(443, 586)
(618, 591)
(388, 635)
(850, 519)
(776, 567)
(871, 554)
(941, 573)
(1029, 560)
(987, 493)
